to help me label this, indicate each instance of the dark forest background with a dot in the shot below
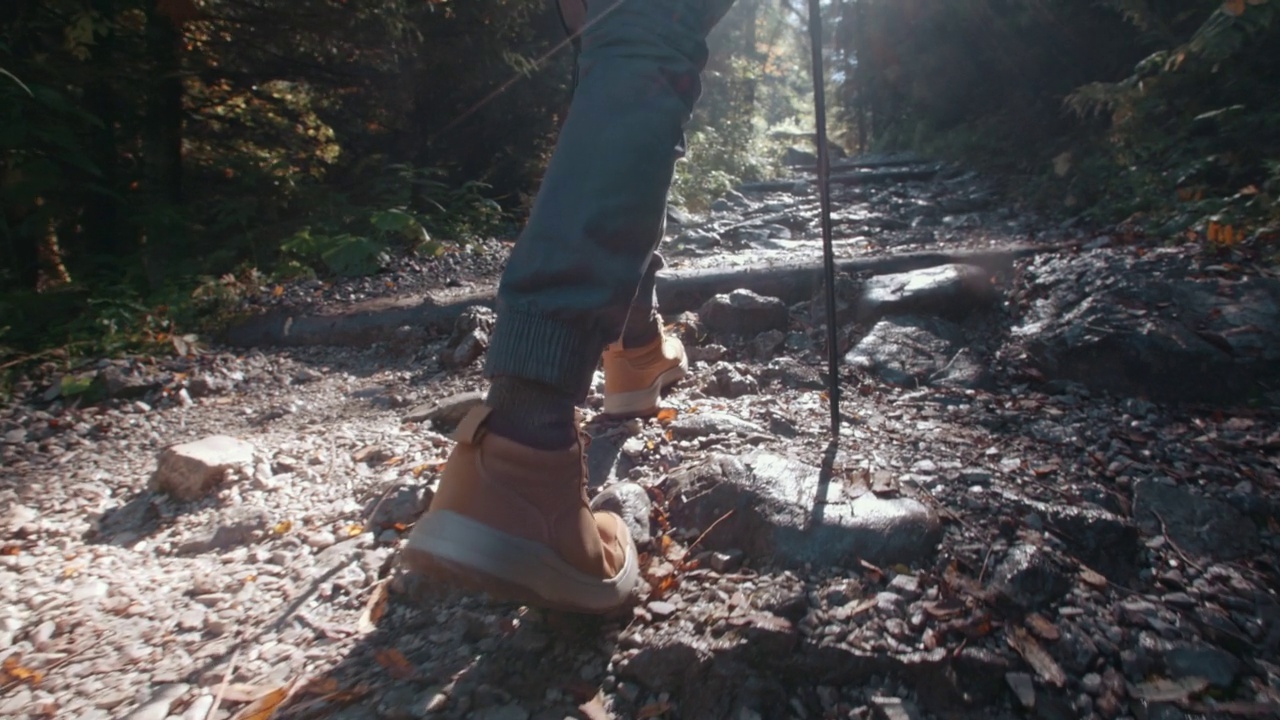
(161, 159)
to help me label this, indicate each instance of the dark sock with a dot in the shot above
(531, 413)
(643, 327)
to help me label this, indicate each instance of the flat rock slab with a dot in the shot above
(952, 291)
(191, 470)
(912, 350)
(706, 424)
(1199, 525)
(780, 510)
(1156, 326)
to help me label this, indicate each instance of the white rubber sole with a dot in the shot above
(641, 402)
(465, 552)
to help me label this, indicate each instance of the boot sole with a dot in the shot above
(645, 402)
(464, 553)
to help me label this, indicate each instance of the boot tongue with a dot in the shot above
(472, 426)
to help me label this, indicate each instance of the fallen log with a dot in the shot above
(857, 178)
(865, 163)
(411, 319)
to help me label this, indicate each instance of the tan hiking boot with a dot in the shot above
(634, 378)
(513, 521)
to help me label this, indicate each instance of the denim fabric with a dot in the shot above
(600, 212)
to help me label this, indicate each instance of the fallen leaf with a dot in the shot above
(1092, 577)
(1042, 627)
(374, 608)
(942, 610)
(277, 291)
(1235, 8)
(11, 550)
(354, 529)
(1161, 690)
(876, 573)
(282, 527)
(862, 607)
(246, 692)
(265, 706)
(12, 671)
(1045, 666)
(395, 663)
(666, 415)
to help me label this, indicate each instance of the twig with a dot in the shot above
(222, 689)
(983, 571)
(704, 535)
(1164, 530)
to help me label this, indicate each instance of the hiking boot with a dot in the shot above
(634, 378)
(513, 521)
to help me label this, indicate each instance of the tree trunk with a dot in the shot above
(103, 235)
(162, 141)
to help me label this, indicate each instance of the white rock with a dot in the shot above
(43, 634)
(91, 590)
(157, 708)
(199, 708)
(18, 516)
(321, 539)
(191, 620)
(190, 470)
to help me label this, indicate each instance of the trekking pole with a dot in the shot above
(824, 194)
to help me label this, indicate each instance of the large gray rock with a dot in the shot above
(1199, 525)
(951, 291)
(1030, 577)
(783, 512)
(743, 313)
(1156, 326)
(911, 351)
(191, 470)
(114, 382)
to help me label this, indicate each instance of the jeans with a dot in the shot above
(588, 250)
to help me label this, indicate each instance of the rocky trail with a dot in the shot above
(1055, 494)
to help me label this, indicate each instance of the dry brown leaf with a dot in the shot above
(667, 415)
(265, 706)
(942, 610)
(862, 607)
(1037, 657)
(282, 527)
(395, 663)
(13, 671)
(245, 692)
(374, 608)
(11, 550)
(1093, 577)
(1161, 690)
(1042, 627)
(1234, 8)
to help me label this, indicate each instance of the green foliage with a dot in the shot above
(1162, 114)
(755, 86)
